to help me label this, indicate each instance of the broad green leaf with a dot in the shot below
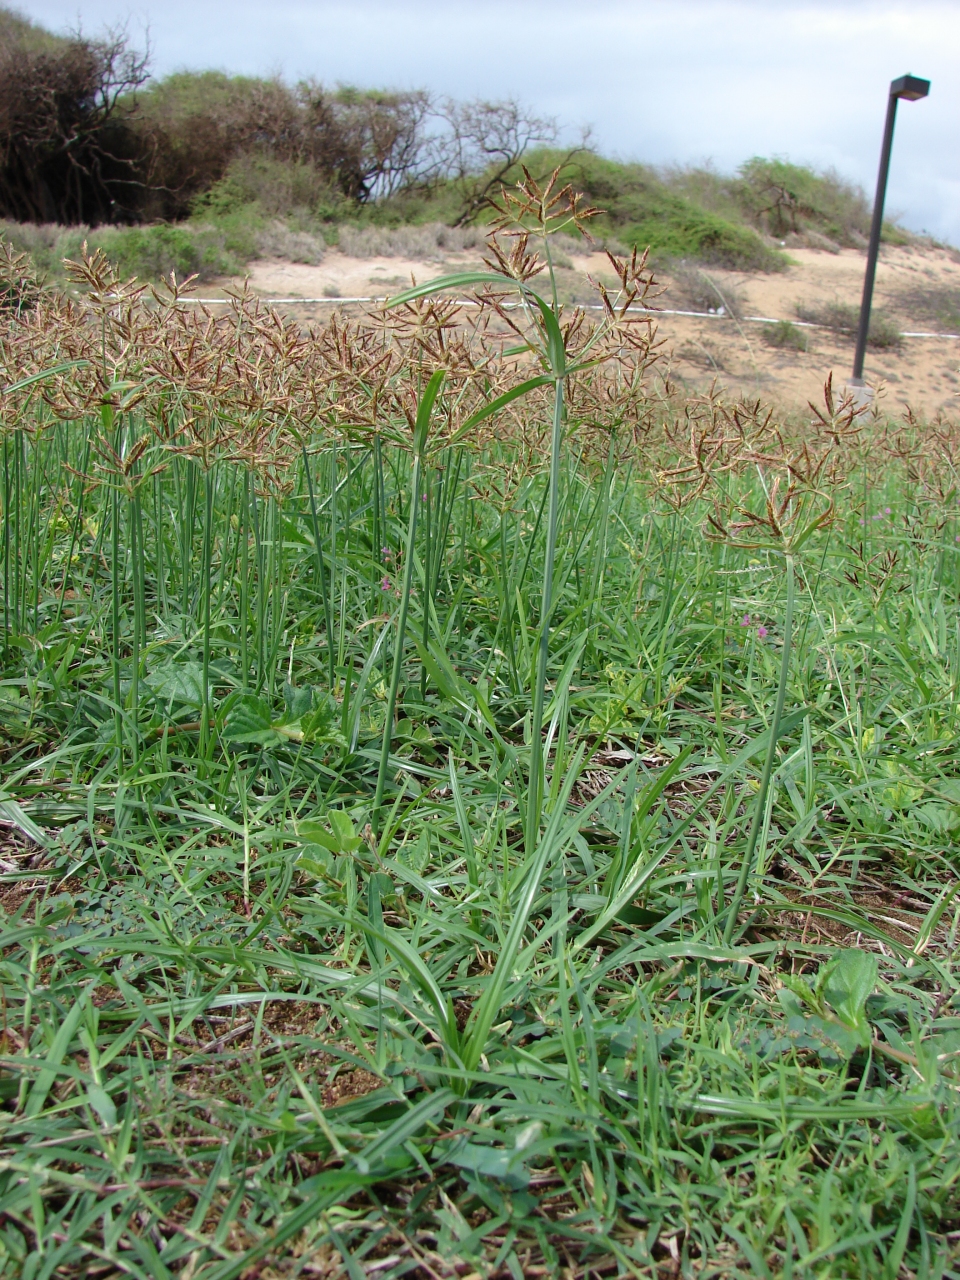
(248, 721)
(320, 724)
(809, 1029)
(316, 861)
(903, 791)
(502, 1164)
(341, 837)
(939, 817)
(298, 701)
(177, 683)
(844, 983)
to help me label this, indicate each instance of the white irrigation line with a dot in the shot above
(471, 302)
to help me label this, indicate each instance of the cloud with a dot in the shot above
(659, 80)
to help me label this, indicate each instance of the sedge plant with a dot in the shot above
(798, 490)
(530, 216)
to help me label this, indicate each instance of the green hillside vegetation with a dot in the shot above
(643, 207)
(783, 200)
(691, 214)
(200, 172)
(20, 33)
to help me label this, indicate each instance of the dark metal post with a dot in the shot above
(911, 88)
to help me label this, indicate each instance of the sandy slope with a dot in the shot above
(912, 285)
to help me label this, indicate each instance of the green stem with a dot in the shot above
(37, 488)
(115, 614)
(244, 580)
(17, 507)
(324, 593)
(427, 579)
(273, 595)
(401, 633)
(598, 555)
(207, 558)
(536, 783)
(747, 864)
(77, 526)
(6, 543)
(186, 535)
(446, 507)
(134, 535)
(261, 589)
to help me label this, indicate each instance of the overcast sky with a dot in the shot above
(658, 80)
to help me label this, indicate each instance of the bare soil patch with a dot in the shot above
(918, 286)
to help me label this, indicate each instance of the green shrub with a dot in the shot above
(674, 229)
(704, 187)
(146, 252)
(782, 198)
(693, 289)
(152, 252)
(844, 318)
(193, 125)
(278, 188)
(265, 141)
(786, 335)
(639, 208)
(884, 332)
(46, 243)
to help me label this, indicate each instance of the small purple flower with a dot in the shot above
(888, 511)
(385, 583)
(385, 553)
(860, 523)
(746, 620)
(762, 632)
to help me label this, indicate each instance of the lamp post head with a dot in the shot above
(909, 87)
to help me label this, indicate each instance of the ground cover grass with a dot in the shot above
(467, 810)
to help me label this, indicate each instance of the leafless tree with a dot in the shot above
(78, 144)
(481, 141)
(64, 152)
(380, 138)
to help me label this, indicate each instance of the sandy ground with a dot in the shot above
(917, 285)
